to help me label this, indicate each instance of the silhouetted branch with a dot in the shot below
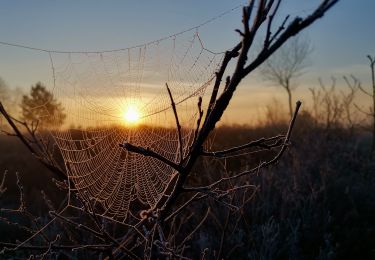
(262, 143)
(15, 128)
(148, 152)
(3, 189)
(261, 165)
(192, 198)
(219, 75)
(372, 68)
(77, 225)
(363, 111)
(180, 145)
(358, 84)
(268, 38)
(55, 169)
(189, 236)
(99, 247)
(200, 116)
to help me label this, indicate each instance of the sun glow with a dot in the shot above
(131, 115)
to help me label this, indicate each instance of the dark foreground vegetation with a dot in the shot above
(318, 202)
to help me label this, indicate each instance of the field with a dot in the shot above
(316, 203)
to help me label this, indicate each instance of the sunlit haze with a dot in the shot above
(131, 115)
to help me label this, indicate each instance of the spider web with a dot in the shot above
(96, 91)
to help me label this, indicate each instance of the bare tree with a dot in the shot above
(371, 112)
(287, 64)
(161, 223)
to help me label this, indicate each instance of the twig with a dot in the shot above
(297, 25)
(61, 174)
(219, 75)
(77, 225)
(258, 143)
(99, 247)
(3, 189)
(180, 144)
(200, 115)
(177, 211)
(22, 206)
(16, 224)
(263, 164)
(15, 128)
(223, 233)
(148, 152)
(188, 237)
(267, 40)
(362, 111)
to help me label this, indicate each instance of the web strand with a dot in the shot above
(127, 48)
(96, 90)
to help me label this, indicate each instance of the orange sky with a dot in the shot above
(100, 26)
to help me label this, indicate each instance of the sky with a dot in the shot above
(341, 40)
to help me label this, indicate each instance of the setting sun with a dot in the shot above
(131, 115)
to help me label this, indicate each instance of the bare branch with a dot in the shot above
(267, 40)
(15, 128)
(200, 115)
(363, 111)
(219, 75)
(193, 198)
(148, 152)
(188, 237)
(364, 91)
(263, 164)
(3, 189)
(279, 30)
(61, 174)
(372, 69)
(99, 247)
(258, 143)
(356, 84)
(77, 225)
(180, 145)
